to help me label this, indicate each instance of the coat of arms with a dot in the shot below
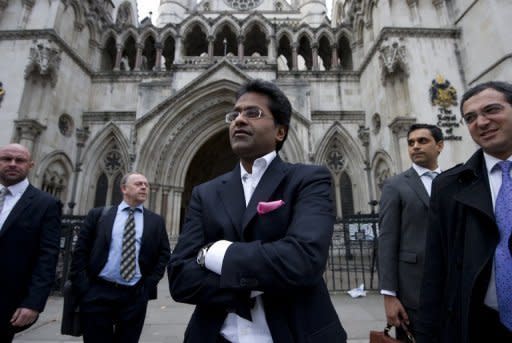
(442, 93)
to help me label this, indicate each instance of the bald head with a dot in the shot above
(15, 163)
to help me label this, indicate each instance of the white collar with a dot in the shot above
(422, 170)
(259, 165)
(491, 162)
(18, 188)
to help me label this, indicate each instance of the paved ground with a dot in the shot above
(166, 319)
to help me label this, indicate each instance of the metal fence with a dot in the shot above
(69, 233)
(353, 254)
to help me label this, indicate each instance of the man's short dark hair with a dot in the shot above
(434, 130)
(504, 88)
(278, 102)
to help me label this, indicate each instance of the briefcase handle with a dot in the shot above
(410, 337)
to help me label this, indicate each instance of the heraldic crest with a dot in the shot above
(442, 93)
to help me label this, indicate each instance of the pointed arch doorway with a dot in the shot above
(213, 158)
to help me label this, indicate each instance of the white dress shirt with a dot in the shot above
(11, 198)
(494, 174)
(235, 328)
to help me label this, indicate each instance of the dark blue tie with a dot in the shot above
(502, 255)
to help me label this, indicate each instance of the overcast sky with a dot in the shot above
(152, 5)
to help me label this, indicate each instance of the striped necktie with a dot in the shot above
(502, 254)
(128, 252)
(3, 192)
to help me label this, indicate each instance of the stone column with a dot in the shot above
(315, 56)
(27, 132)
(138, 57)
(153, 193)
(158, 58)
(399, 126)
(3, 6)
(164, 203)
(241, 48)
(177, 50)
(119, 55)
(334, 60)
(81, 137)
(295, 46)
(442, 11)
(210, 46)
(28, 5)
(271, 43)
(175, 209)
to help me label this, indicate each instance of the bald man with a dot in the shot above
(29, 243)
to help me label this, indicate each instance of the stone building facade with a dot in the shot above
(94, 93)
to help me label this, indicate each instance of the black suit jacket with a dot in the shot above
(93, 244)
(29, 249)
(282, 253)
(461, 241)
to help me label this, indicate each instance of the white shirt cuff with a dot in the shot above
(386, 292)
(215, 256)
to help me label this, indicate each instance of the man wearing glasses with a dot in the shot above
(467, 286)
(255, 241)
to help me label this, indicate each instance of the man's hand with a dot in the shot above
(395, 312)
(23, 317)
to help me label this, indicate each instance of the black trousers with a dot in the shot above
(111, 313)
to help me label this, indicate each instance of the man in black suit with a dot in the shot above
(255, 240)
(29, 243)
(403, 226)
(120, 256)
(468, 241)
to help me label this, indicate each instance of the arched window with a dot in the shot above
(108, 56)
(345, 54)
(306, 53)
(325, 53)
(148, 54)
(347, 198)
(225, 42)
(285, 50)
(100, 199)
(255, 42)
(195, 42)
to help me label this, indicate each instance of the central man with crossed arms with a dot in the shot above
(255, 240)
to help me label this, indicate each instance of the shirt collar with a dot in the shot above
(18, 188)
(491, 162)
(123, 205)
(259, 165)
(421, 170)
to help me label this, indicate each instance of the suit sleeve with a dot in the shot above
(188, 282)
(297, 259)
(43, 274)
(163, 251)
(81, 254)
(435, 273)
(390, 214)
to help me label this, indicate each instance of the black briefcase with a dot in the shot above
(70, 313)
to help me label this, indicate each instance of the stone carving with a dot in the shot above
(113, 161)
(393, 58)
(124, 15)
(243, 4)
(44, 59)
(334, 158)
(442, 93)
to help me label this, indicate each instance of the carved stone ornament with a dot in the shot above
(393, 57)
(44, 59)
(334, 157)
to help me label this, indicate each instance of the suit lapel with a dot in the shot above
(476, 193)
(107, 223)
(414, 181)
(146, 228)
(25, 200)
(232, 196)
(266, 187)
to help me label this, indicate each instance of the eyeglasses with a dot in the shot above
(488, 112)
(249, 113)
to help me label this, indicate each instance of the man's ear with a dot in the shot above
(281, 133)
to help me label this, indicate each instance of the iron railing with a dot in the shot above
(353, 253)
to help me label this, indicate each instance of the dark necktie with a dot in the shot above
(502, 255)
(128, 252)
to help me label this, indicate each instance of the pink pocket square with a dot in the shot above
(265, 207)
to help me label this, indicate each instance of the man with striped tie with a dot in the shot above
(120, 255)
